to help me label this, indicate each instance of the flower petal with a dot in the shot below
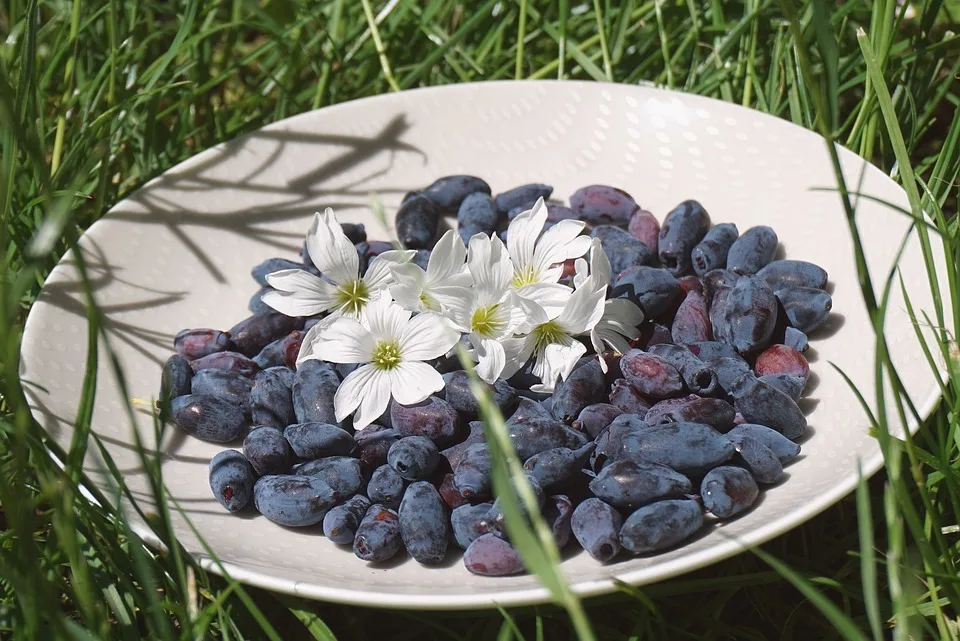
(459, 304)
(352, 390)
(447, 257)
(517, 352)
(330, 249)
(560, 242)
(447, 296)
(490, 266)
(314, 334)
(297, 303)
(600, 267)
(384, 318)
(298, 280)
(407, 296)
(492, 359)
(412, 382)
(583, 310)
(557, 360)
(379, 274)
(551, 297)
(580, 272)
(344, 341)
(426, 336)
(522, 234)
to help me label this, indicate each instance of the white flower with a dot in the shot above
(551, 341)
(537, 259)
(341, 290)
(490, 311)
(393, 346)
(444, 280)
(620, 316)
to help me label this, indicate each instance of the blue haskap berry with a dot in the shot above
(256, 304)
(652, 375)
(489, 555)
(341, 522)
(761, 403)
(610, 442)
(680, 446)
(267, 451)
(682, 230)
(784, 274)
(645, 226)
(727, 491)
(790, 385)
(378, 538)
(538, 435)
(473, 475)
(711, 252)
(715, 412)
(596, 526)
(753, 250)
(252, 334)
(272, 355)
(628, 398)
(495, 518)
(271, 265)
(557, 467)
(795, 339)
(749, 315)
(603, 205)
(314, 387)
(522, 196)
(459, 395)
(696, 374)
(433, 418)
(342, 473)
(449, 493)
(595, 418)
(414, 457)
(231, 480)
(708, 351)
(661, 525)
(652, 289)
(807, 308)
(197, 343)
(209, 418)
(176, 378)
(759, 459)
(557, 511)
(785, 449)
(584, 386)
(479, 212)
(424, 525)
(293, 501)
(454, 453)
(386, 487)
(232, 361)
(630, 484)
(355, 232)
(315, 440)
(449, 192)
(622, 248)
(529, 410)
(729, 370)
(271, 398)
(691, 324)
(469, 523)
(373, 443)
(417, 223)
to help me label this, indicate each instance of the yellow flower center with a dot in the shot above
(485, 322)
(525, 276)
(547, 333)
(352, 297)
(386, 355)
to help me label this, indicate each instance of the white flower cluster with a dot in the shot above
(505, 299)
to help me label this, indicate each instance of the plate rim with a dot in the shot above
(523, 596)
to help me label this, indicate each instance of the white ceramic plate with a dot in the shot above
(178, 254)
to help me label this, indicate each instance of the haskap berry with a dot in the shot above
(704, 401)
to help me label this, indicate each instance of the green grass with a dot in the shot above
(97, 97)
